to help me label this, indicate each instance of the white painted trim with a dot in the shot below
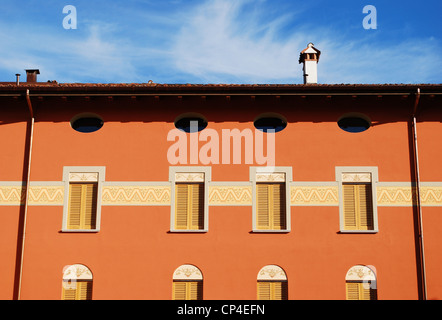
(101, 171)
(172, 179)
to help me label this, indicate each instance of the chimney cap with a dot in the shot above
(36, 71)
(310, 49)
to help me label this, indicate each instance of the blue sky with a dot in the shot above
(221, 41)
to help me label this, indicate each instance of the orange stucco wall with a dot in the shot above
(134, 254)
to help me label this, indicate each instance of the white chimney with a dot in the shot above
(309, 57)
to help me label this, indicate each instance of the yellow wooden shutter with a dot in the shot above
(262, 206)
(187, 290)
(74, 215)
(84, 290)
(279, 290)
(82, 211)
(272, 290)
(270, 206)
(352, 290)
(278, 206)
(181, 199)
(90, 205)
(179, 290)
(189, 207)
(358, 206)
(68, 292)
(360, 291)
(195, 290)
(365, 207)
(196, 194)
(264, 290)
(349, 207)
(81, 290)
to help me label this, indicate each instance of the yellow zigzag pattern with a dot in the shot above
(230, 195)
(394, 196)
(38, 195)
(135, 195)
(431, 196)
(315, 195)
(218, 195)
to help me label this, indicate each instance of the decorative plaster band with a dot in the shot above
(314, 196)
(395, 196)
(135, 195)
(230, 195)
(12, 195)
(49, 193)
(38, 195)
(431, 196)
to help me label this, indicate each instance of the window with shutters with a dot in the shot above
(271, 205)
(360, 283)
(358, 211)
(189, 203)
(82, 208)
(189, 209)
(187, 283)
(187, 290)
(272, 283)
(272, 290)
(77, 283)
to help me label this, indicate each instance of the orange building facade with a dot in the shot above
(180, 214)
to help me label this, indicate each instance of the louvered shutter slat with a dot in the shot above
(181, 198)
(197, 207)
(365, 207)
(352, 291)
(84, 290)
(74, 214)
(195, 290)
(264, 290)
(262, 206)
(280, 290)
(90, 206)
(349, 207)
(179, 290)
(278, 206)
(68, 293)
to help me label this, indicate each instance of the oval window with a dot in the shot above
(267, 123)
(354, 123)
(191, 123)
(87, 123)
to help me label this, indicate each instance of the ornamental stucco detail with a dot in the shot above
(272, 272)
(187, 272)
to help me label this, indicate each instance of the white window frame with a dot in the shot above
(288, 179)
(67, 171)
(172, 179)
(374, 182)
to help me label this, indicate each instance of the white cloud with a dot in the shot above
(219, 42)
